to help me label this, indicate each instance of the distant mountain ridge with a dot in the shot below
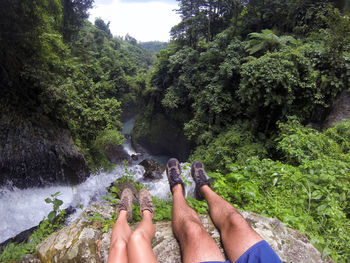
(154, 46)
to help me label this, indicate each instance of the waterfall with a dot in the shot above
(21, 209)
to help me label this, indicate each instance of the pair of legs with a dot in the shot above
(132, 246)
(196, 244)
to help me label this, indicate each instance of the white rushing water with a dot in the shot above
(23, 209)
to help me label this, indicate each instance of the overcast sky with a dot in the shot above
(145, 20)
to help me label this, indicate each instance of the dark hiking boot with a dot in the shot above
(200, 177)
(173, 171)
(125, 203)
(145, 200)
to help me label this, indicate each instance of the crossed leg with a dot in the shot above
(127, 246)
(196, 244)
(236, 235)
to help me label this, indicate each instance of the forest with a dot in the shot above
(246, 83)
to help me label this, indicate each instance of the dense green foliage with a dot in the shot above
(308, 189)
(231, 77)
(221, 71)
(154, 46)
(57, 66)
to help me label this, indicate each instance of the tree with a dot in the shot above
(100, 24)
(203, 19)
(267, 41)
(74, 14)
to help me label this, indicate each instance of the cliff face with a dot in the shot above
(340, 110)
(36, 154)
(160, 136)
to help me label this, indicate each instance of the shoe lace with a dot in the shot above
(201, 175)
(147, 202)
(173, 174)
(123, 203)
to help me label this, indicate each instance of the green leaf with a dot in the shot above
(48, 200)
(55, 194)
(57, 202)
(316, 195)
(51, 216)
(234, 177)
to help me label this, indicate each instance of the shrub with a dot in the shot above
(236, 144)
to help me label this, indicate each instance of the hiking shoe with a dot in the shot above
(200, 178)
(145, 200)
(173, 171)
(125, 203)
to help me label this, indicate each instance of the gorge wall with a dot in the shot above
(35, 152)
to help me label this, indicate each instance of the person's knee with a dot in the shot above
(138, 236)
(119, 244)
(235, 221)
(192, 229)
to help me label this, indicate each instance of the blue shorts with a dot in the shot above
(261, 252)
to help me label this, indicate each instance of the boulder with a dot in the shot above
(116, 154)
(340, 110)
(81, 241)
(153, 170)
(84, 241)
(135, 157)
(36, 152)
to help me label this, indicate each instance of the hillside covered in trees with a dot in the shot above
(242, 86)
(240, 81)
(58, 68)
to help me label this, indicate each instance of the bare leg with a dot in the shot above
(139, 246)
(196, 244)
(236, 234)
(120, 235)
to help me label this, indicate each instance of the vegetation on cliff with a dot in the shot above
(57, 66)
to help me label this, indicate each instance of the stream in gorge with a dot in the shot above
(21, 209)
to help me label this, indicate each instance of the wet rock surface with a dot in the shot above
(153, 170)
(340, 110)
(117, 154)
(36, 154)
(160, 136)
(84, 241)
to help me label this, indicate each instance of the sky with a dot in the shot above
(145, 20)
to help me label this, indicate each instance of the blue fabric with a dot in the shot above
(261, 252)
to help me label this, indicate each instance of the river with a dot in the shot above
(21, 209)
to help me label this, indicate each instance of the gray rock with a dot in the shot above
(116, 154)
(340, 110)
(83, 241)
(135, 157)
(36, 153)
(29, 259)
(153, 170)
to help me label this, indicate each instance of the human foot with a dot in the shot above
(125, 203)
(145, 200)
(200, 177)
(173, 171)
